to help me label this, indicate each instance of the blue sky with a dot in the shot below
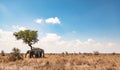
(79, 19)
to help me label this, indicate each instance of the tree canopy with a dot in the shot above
(28, 36)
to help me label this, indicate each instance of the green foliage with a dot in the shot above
(2, 53)
(28, 36)
(15, 55)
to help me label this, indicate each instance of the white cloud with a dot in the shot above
(51, 37)
(53, 20)
(111, 44)
(48, 20)
(39, 21)
(17, 27)
(8, 42)
(89, 41)
(5, 35)
(54, 43)
(98, 44)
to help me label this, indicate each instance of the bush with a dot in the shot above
(66, 53)
(96, 53)
(15, 55)
(113, 53)
(2, 53)
(79, 53)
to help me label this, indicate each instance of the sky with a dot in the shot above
(62, 25)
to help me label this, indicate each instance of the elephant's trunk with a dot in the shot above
(27, 53)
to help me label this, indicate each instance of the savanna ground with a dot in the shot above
(64, 62)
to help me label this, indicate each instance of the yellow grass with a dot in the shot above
(64, 62)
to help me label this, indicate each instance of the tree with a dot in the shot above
(28, 36)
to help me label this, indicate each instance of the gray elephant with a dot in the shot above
(38, 52)
(35, 52)
(31, 53)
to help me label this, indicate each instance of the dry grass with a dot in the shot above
(64, 62)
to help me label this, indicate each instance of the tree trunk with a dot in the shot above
(31, 47)
(29, 44)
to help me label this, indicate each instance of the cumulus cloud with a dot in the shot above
(53, 20)
(5, 35)
(53, 43)
(50, 38)
(8, 42)
(111, 44)
(39, 21)
(17, 27)
(89, 41)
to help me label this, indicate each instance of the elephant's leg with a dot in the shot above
(30, 55)
(39, 54)
(36, 54)
(42, 53)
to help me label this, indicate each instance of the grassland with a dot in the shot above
(64, 62)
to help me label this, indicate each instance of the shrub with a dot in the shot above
(79, 53)
(63, 53)
(113, 53)
(2, 53)
(66, 53)
(96, 53)
(15, 55)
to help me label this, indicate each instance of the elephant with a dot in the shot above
(35, 52)
(38, 52)
(30, 52)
